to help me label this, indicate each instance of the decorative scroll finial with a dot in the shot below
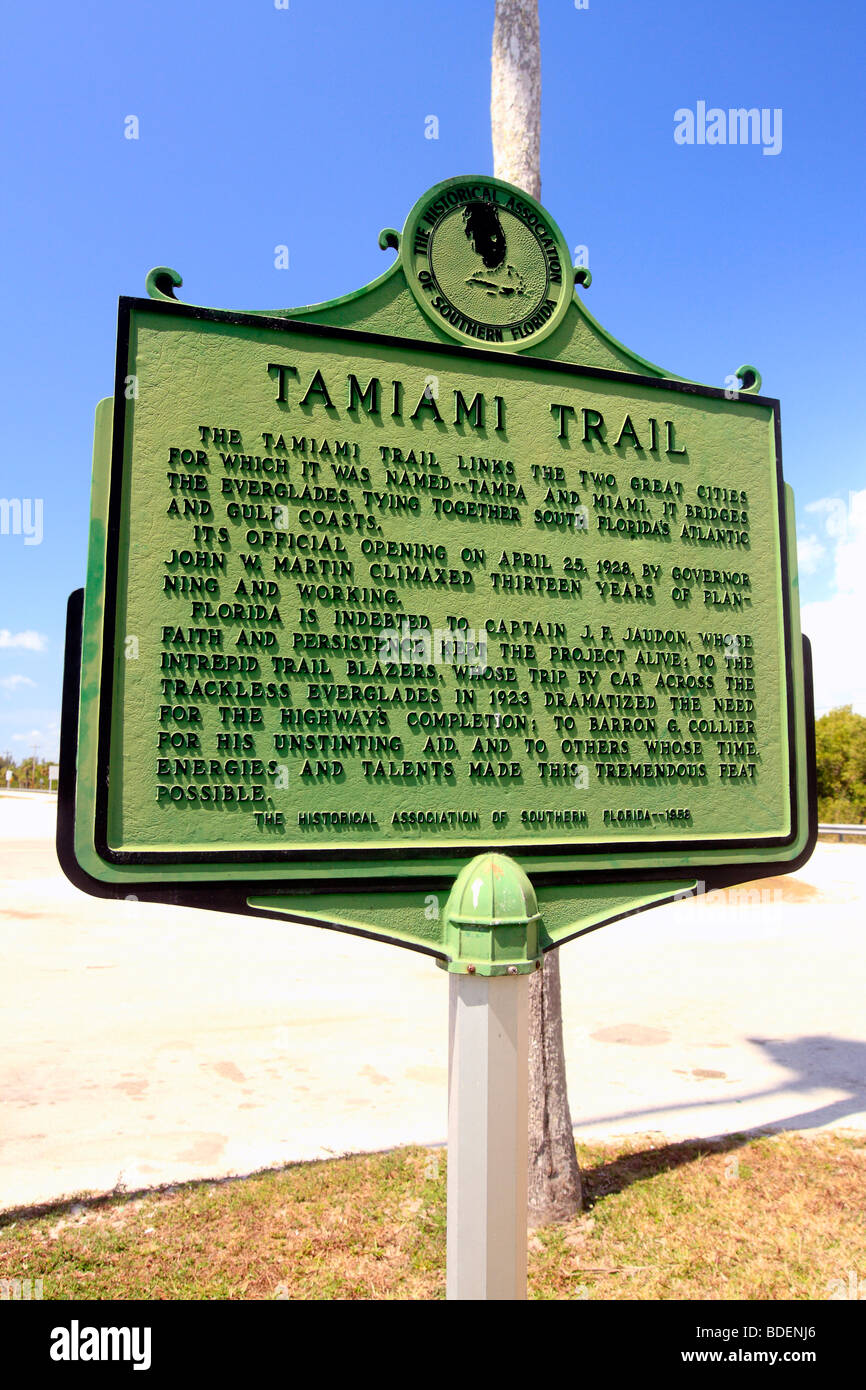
(750, 378)
(162, 282)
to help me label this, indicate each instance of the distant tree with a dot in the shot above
(840, 746)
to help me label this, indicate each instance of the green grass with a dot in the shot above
(768, 1218)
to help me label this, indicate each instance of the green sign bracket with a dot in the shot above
(493, 922)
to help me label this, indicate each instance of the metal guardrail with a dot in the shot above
(842, 832)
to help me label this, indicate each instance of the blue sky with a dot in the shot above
(305, 126)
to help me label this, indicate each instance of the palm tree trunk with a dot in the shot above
(515, 117)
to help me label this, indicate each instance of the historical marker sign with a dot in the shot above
(433, 569)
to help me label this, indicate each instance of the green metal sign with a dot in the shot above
(435, 570)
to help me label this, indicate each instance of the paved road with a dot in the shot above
(145, 1044)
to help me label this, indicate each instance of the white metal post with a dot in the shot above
(488, 1068)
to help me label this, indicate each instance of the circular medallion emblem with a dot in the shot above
(486, 263)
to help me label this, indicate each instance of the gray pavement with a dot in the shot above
(145, 1044)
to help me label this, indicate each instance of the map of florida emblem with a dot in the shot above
(484, 231)
(486, 263)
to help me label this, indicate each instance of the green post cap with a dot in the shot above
(491, 919)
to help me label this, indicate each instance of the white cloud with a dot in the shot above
(30, 641)
(835, 625)
(810, 553)
(14, 682)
